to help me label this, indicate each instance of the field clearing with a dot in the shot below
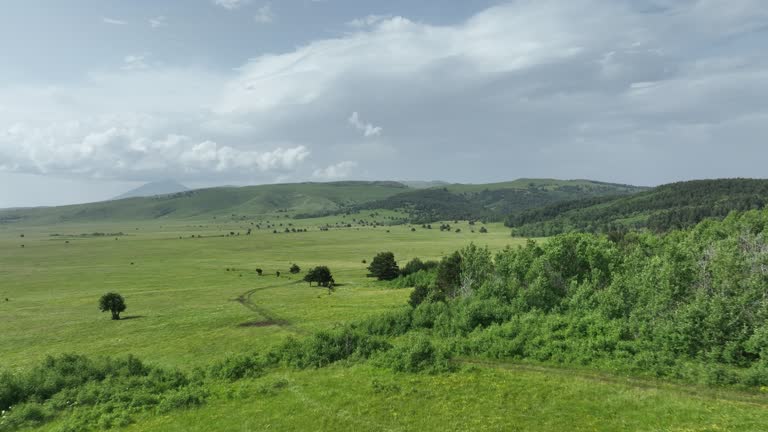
(182, 302)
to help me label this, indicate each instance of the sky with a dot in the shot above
(99, 96)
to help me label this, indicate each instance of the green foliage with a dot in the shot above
(689, 305)
(114, 303)
(490, 202)
(448, 280)
(295, 269)
(238, 366)
(417, 354)
(384, 267)
(103, 392)
(416, 265)
(327, 347)
(664, 208)
(321, 275)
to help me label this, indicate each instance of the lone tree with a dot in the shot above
(295, 269)
(320, 275)
(112, 302)
(384, 266)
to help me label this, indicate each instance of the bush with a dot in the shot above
(238, 366)
(417, 354)
(393, 323)
(327, 347)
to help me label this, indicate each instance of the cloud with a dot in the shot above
(367, 21)
(636, 91)
(135, 62)
(337, 171)
(113, 21)
(129, 151)
(158, 21)
(231, 4)
(368, 129)
(264, 14)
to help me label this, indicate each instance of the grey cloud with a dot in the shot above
(634, 94)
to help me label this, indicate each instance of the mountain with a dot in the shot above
(163, 187)
(493, 201)
(670, 206)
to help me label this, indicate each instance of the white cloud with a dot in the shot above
(337, 171)
(531, 88)
(135, 62)
(231, 4)
(113, 21)
(368, 129)
(158, 21)
(367, 21)
(131, 150)
(264, 15)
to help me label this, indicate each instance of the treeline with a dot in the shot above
(689, 305)
(430, 205)
(667, 207)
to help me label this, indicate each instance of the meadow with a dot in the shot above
(194, 298)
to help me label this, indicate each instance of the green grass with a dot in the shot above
(182, 297)
(362, 398)
(187, 314)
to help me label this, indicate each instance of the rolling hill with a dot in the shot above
(493, 201)
(670, 206)
(455, 201)
(204, 203)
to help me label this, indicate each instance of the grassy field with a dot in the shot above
(193, 300)
(183, 307)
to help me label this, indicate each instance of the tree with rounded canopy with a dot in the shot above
(112, 302)
(320, 274)
(384, 266)
(295, 269)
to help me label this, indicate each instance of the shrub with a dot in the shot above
(417, 354)
(238, 366)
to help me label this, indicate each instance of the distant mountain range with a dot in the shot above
(163, 187)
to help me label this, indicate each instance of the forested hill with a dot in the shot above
(671, 206)
(493, 201)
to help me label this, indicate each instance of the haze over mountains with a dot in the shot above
(162, 187)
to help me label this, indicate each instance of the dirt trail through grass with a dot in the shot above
(270, 318)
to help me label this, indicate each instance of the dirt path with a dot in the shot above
(691, 390)
(270, 318)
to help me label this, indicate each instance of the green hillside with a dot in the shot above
(671, 206)
(493, 201)
(303, 200)
(250, 200)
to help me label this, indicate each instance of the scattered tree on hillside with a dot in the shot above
(112, 302)
(483, 230)
(295, 269)
(384, 266)
(259, 271)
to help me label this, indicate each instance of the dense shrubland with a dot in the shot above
(690, 305)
